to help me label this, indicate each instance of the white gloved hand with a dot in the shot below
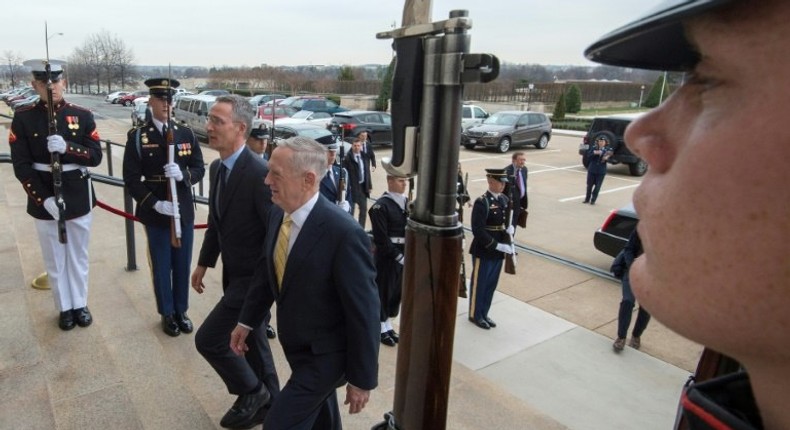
(400, 259)
(55, 143)
(52, 207)
(506, 248)
(345, 206)
(164, 207)
(173, 170)
(510, 230)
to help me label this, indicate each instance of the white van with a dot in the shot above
(192, 111)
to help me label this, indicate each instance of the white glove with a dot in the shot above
(345, 206)
(173, 170)
(52, 207)
(510, 230)
(506, 248)
(164, 207)
(400, 259)
(55, 143)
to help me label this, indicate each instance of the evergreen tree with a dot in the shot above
(559, 109)
(656, 93)
(345, 74)
(386, 88)
(573, 99)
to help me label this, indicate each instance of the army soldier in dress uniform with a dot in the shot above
(146, 173)
(489, 246)
(258, 142)
(331, 181)
(77, 141)
(388, 218)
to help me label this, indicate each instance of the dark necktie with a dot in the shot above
(221, 174)
(361, 169)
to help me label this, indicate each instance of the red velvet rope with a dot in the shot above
(119, 212)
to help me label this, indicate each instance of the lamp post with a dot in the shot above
(529, 94)
(641, 93)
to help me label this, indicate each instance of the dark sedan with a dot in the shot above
(350, 124)
(611, 237)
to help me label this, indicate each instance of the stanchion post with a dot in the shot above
(131, 255)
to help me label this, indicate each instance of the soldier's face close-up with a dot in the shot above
(57, 89)
(713, 206)
(159, 107)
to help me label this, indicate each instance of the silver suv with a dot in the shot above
(509, 128)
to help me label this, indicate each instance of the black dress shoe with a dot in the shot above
(246, 410)
(480, 323)
(66, 320)
(386, 339)
(170, 326)
(83, 316)
(394, 335)
(270, 332)
(490, 322)
(184, 323)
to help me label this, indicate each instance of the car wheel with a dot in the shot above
(639, 168)
(469, 146)
(504, 145)
(543, 142)
(127, 103)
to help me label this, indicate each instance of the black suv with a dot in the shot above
(350, 124)
(613, 127)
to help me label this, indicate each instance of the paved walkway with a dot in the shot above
(548, 364)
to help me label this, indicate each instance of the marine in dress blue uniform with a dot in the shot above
(77, 140)
(489, 245)
(146, 174)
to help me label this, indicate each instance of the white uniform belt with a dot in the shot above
(48, 168)
(398, 240)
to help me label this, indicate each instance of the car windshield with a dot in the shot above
(501, 119)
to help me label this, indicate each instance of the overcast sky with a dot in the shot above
(293, 32)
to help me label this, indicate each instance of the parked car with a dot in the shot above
(12, 92)
(613, 127)
(192, 111)
(472, 115)
(140, 114)
(112, 98)
(349, 124)
(128, 99)
(306, 116)
(140, 100)
(28, 101)
(506, 129)
(611, 237)
(315, 132)
(25, 93)
(266, 113)
(313, 103)
(214, 93)
(262, 99)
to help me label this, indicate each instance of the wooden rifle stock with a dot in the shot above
(462, 199)
(57, 166)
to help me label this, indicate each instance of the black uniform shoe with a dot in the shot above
(394, 335)
(246, 410)
(183, 321)
(270, 332)
(490, 322)
(387, 340)
(170, 326)
(83, 316)
(66, 320)
(480, 323)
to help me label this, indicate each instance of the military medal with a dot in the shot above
(73, 122)
(144, 138)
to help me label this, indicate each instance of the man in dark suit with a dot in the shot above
(239, 204)
(318, 268)
(358, 165)
(516, 188)
(147, 174)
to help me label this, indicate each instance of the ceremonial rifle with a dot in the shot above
(341, 181)
(57, 167)
(432, 64)
(172, 190)
(510, 259)
(462, 199)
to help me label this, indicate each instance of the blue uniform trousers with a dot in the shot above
(485, 277)
(170, 268)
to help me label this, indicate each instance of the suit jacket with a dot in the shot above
(350, 163)
(328, 302)
(238, 234)
(28, 141)
(144, 158)
(512, 190)
(329, 189)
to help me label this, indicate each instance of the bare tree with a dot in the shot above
(14, 61)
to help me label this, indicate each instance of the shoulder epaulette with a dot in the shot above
(26, 108)
(69, 104)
